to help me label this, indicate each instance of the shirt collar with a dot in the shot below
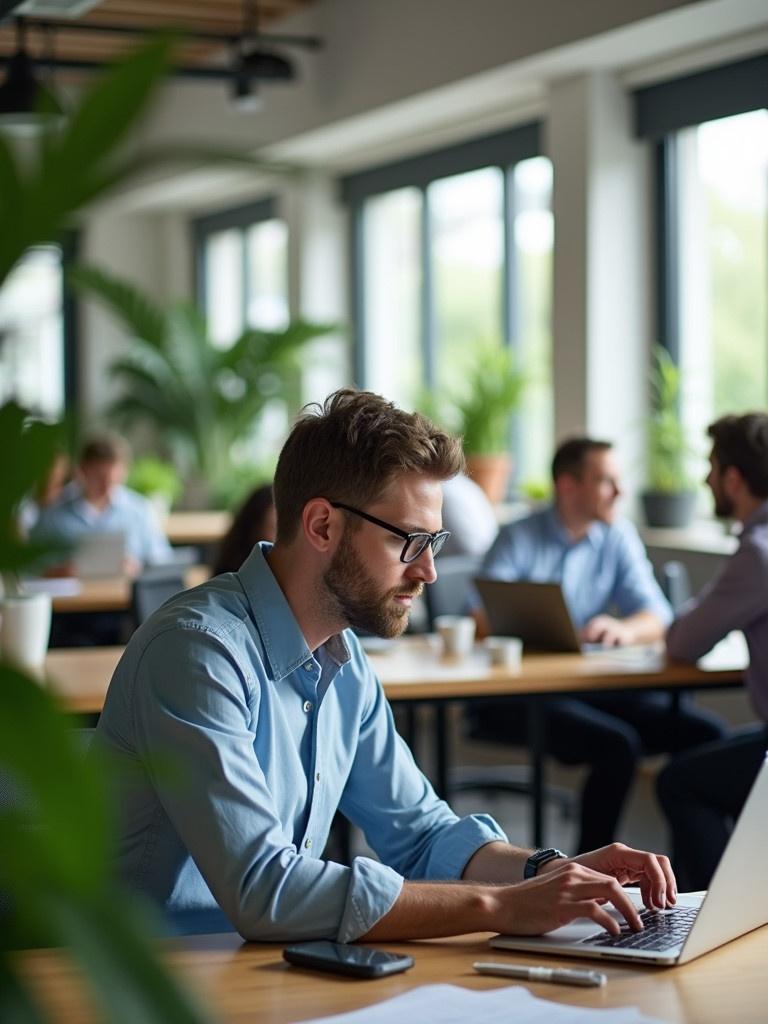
(593, 536)
(758, 517)
(281, 635)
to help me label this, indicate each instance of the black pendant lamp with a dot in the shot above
(27, 104)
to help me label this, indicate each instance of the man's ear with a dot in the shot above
(733, 481)
(321, 524)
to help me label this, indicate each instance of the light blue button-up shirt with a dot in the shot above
(72, 518)
(606, 569)
(236, 744)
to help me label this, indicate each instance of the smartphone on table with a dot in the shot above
(339, 958)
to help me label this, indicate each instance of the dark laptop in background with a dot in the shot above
(536, 612)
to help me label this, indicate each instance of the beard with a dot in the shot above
(723, 504)
(360, 602)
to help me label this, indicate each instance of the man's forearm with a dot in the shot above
(644, 627)
(497, 863)
(430, 910)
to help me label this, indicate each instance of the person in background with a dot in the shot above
(598, 558)
(255, 520)
(703, 791)
(469, 516)
(257, 688)
(46, 494)
(98, 501)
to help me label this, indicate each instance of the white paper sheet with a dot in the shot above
(451, 1004)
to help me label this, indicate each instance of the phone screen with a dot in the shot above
(338, 957)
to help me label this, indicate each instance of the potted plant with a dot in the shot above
(480, 413)
(201, 400)
(670, 497)
(157, 480)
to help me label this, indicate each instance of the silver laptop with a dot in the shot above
(736, 903)
(536, 612)
(99, 555)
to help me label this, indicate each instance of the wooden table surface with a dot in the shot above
(196, 527)
(412, 669)
(112, 594)
(251, 984)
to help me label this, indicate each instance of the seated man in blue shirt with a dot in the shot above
(97, 502)
(613, 598)
(244, 713)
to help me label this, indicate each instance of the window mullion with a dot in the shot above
(428, 321)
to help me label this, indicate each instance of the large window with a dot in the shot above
(722, 199)
(452, 253)
(242, 281)
(32, 363)
(242, 270)
(712, 171)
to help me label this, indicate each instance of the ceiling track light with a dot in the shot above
(28, 104)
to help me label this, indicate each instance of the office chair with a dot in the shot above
(152, 588)
(449, 595)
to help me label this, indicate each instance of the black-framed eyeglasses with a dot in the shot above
(415, 543)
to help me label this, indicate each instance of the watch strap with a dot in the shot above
(539, 857)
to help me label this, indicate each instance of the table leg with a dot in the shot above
(536, 737)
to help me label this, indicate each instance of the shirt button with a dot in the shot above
(307, 843)
(308, 667)
(317, 777)
(307, 706)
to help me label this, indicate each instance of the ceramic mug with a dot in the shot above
(505, 651)
(457, 634)
(24, 631)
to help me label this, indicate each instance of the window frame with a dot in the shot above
(240, 218)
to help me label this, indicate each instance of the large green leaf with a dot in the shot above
(137, 312)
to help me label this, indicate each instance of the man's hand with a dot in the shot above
(609, 632)
(652, 872)
(564, 892)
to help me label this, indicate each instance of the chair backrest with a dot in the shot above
(153, 588)
(449, 594)
(676, 583)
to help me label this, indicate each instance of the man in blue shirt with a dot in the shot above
(244, 713)
(97, 502)
(613, 598)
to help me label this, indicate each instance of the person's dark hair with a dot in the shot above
(571, 455)
(247, 528)
(105, 448)
(742, 441)
(349, 449)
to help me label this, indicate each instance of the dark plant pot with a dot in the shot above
(668, 510)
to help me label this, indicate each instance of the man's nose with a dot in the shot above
(423, 567)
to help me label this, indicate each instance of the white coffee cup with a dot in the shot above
(457, 633)
(25, 627)
(505, 651)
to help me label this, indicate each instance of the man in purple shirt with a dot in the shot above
(702, 792)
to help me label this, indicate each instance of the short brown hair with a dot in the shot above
(105, 448)
(571, 454)
(350, 448)
(742, 441)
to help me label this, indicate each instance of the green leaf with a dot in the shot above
(141, 316)
(123, 971)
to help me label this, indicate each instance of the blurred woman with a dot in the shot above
(254, 521)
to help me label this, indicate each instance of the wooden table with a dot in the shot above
(251, 983)
(112, 594)
(412, 671)
(196, 527)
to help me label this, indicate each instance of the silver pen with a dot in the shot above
(558, 975)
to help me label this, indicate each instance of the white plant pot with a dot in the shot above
(25, 627)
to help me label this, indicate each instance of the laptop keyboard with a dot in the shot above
(663, 930)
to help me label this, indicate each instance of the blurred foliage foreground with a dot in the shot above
(55, 821)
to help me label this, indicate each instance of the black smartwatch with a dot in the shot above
(539, 857)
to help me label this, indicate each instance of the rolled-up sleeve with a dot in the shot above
(389, 798)
(194, 701)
